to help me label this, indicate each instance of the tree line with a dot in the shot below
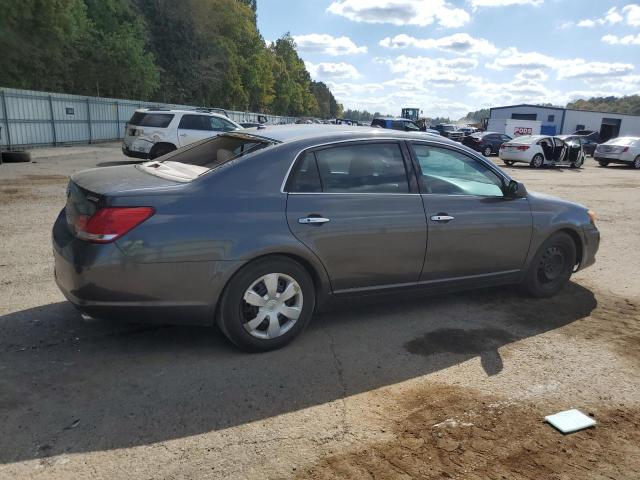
(202, 52)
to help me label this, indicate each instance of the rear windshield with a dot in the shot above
(527, 139)
(211, 152)
(158, 120)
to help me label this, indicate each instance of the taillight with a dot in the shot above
(109, 224)
(522, 148)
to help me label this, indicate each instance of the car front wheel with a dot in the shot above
(636, 163)
(509, 163)
(267, 304)
(487, 151)
(537, 161)
(551, 267)
(603, 164)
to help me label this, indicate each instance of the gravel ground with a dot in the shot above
(451, 386)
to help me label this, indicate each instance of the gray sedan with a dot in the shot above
(254, 229)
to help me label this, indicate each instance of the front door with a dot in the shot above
(473, 229)
(354, 206)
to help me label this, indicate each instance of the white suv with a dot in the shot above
(152, 133)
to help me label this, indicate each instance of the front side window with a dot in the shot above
(220, 125)
(446, 172)
(410, 126)
(505, 138)
(372, 168)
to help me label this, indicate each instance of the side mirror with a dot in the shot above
(515, 190)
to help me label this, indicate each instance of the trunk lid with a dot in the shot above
(121, 179)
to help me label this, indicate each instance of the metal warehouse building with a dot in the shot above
(562, 121)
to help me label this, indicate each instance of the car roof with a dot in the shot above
(177, 110)
(331, 133)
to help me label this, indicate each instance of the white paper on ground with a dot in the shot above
(570, 421)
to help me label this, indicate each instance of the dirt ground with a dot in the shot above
(449, 386)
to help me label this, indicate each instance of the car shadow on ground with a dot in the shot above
(69, 386)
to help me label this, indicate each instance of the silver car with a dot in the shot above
(624, 150)
(254, 230)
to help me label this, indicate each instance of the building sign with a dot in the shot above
(522, 131)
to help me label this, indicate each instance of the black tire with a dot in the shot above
(160, 149)
(603, 164)
(16, 157)
(487, 151)
(233, 312)
(636, 163)
(509, 163)
(537, 161)
(551, 267)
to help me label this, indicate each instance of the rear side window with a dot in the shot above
(372, 168)
(158, 120)
(306, 177)
(195, 122)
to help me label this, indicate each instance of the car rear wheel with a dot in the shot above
(537, 161)
(603, 164)
(267, 304)
(160, 149)
(509, 163)
(487, 151)
(636, 163)
(551, 267)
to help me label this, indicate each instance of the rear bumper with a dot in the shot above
(600, 158)
(101, 281)
(136, 147)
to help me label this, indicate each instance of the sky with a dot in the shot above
(451, 57)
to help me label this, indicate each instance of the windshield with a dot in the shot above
(448, 128)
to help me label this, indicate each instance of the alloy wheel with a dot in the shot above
(271, 305)
(636, 163)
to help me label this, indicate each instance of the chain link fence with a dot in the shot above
(30, 119)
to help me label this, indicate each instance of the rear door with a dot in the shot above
(193, 127)
(474, 230)
(357, 209)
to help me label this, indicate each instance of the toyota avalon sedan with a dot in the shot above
(254, 230)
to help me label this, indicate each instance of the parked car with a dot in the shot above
(540, 150)
(588, 145)
(466, 131)
(322, 215)
(249, 124)
(401, 124)
(486, 142)
(625, 150)
(592, 135)
(450, 131)
(152, 133)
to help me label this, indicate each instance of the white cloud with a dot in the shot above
(503, 3)
(512, 58)
(401, 12)
(587, 23)
(327, 44)
(632, 13)
(539, 75)
(626, 40)
(436, 72)
(327, 71)
(461, 43)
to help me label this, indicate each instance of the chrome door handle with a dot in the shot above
(183, 134)
(442, 218)
(317, 220)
